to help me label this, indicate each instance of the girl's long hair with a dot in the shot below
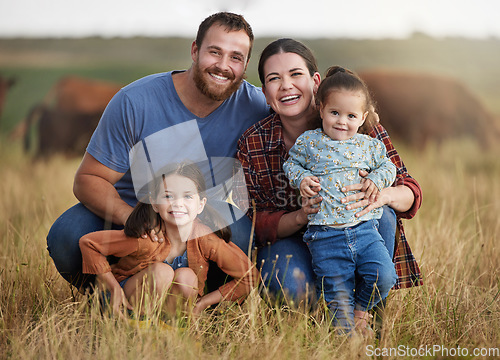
(143, 218)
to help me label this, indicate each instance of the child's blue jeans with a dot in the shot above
(286, 264)
(352, 266)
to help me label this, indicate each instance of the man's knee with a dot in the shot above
(63, 243)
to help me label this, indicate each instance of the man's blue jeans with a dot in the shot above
(64, 236)
(352, 266)
(286, 265)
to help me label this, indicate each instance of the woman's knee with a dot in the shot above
(286, 269)
(385, 279)
(387, 228)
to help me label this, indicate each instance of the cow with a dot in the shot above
(5, 85)
(419, 108)
(67, 116)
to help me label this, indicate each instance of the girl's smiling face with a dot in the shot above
(343, 113)
(179, 201)
(288, 85)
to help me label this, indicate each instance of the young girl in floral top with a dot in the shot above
(353, 268)
(178, 266)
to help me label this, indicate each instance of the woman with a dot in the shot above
(290, 79)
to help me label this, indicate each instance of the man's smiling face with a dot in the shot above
(220, 63)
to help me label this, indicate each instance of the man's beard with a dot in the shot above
(215, 93)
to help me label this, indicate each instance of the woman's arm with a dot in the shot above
(400, 197)
(291, 222)
(405, 196)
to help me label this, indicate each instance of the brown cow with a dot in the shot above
(68, 115)
(5, 85)
(419, 108)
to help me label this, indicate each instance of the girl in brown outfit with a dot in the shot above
(178, 266)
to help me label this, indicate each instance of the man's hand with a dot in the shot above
(154, 235)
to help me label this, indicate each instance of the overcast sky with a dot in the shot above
(297, 18)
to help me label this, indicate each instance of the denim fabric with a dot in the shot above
(64, 236)
(63, 242)
(339, 256)
(286, 270)
(179, 261)
(278, 273)
(387, 225)
(123, 282)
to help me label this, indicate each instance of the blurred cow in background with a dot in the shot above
(421, 108)
(68, 115)
(5, 85)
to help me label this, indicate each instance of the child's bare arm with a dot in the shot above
(118, 299)
(310, 186)
(207, 300)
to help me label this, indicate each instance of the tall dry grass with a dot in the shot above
(453, 237)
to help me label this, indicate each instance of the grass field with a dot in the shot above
(454, 238)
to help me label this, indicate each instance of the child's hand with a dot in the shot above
(310, 186)
(119, 303)
(205, 301)
(370, 189)
(118, 300)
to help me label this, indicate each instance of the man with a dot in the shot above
(212, 94)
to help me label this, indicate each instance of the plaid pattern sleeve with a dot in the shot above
(261, 152)
(406, 265)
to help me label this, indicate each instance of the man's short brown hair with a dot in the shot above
(232, 22)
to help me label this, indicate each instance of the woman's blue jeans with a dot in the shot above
(286, 265)
(352, 266)
(64, 236)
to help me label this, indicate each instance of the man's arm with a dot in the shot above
(93, 187)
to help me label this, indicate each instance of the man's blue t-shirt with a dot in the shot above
(148, 106)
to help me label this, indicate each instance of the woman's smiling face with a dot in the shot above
(288, 86)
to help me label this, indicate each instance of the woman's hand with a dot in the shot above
(365, 197)
(293, 221)
(370, 189)
(309, 206)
